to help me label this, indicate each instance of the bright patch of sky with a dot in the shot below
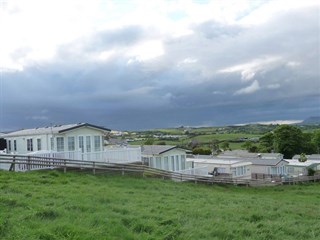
(34, 29)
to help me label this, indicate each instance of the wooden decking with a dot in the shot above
(28, 163)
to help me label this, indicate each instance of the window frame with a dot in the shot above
(39, 145)
(88, 144)
(30, 145)
(71, 144)
(97, 144)
(60, 144)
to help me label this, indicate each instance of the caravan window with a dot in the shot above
(39, 144)
(177, 163)
(166, 163)
(97, 143)
(239, 171)
(60, 144)
(158, 162)
(52, 143)
(29, 145)
(172, 163)
(183, 162)
(71, 144)
(88, 143)
(81, 145)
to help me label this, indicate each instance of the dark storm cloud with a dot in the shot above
(220, 74)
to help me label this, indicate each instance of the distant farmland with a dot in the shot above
(236, 136)
(53, 205)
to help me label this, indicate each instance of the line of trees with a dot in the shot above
(290, 140)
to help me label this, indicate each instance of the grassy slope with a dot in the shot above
(53, 205)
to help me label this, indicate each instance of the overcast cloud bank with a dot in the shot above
(148, 64)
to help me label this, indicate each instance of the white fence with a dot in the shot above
(109, 155)
(200, 171)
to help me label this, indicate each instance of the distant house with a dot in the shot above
(296, 168)
(246, 154)
(59, 138)
(164, 157)
(235, 168)
(81, 141)
(116, 142)
(268, 166)
(262, 163)
(309, 157)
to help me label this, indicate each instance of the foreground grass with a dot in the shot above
(53, 205)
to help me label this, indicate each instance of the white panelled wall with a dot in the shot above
(173, 160)
(86, 139)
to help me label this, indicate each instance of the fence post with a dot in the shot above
(122, 171)
(28, 163)
(65, 166)
(94, 168)
(14, 164)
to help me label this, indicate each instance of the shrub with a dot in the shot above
(302, 157)
(311, 172)
(201, 151)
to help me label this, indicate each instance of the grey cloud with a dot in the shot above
(212, 30)
(162, 93)
(127, 35)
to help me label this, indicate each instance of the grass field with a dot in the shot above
(207, 139)
(53, 205)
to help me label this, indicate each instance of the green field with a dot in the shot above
(236, 136)
(205, 140)
(53, 205)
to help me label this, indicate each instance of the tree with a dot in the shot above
(215, 146)
(247, 145)
(302, 157)
(253, 149)
(316, 140)
(308, 146)
(266, 142)
(311, 171)
(225, 146)
(288, 140)
(149, 141)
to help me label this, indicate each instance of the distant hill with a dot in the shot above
(311, 121)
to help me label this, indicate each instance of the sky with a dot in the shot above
(130, 65)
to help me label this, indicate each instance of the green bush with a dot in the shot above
(201, 151)
(311, 172)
